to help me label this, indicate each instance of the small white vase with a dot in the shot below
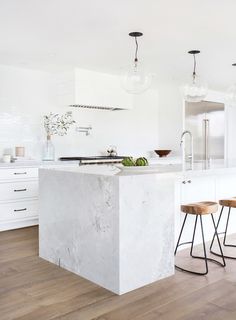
(48, 150)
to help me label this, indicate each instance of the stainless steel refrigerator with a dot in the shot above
(206, 121)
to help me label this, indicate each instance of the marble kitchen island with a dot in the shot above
(115, 229)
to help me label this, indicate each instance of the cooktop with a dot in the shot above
(91, 158)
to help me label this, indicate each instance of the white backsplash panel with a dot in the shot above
(26, 95)
(19, 130)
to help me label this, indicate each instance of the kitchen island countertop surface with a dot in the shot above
(174, 170)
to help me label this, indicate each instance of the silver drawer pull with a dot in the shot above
(19, 190)
(20, 172)
(16, 210)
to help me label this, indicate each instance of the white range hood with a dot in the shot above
(96, 90)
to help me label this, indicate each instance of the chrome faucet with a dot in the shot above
(183, 149)
(85, 130)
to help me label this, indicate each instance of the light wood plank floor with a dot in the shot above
(31, 288)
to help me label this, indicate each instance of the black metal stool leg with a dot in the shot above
(218, 222)
(225, 235)
(205, 258)
(181, 231)
(226, 229)
(194, 231)
(218, 240)
(204, 246)
(220, 255)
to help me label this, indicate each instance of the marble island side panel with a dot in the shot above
(116, 231)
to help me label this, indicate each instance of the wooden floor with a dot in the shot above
(31, 288)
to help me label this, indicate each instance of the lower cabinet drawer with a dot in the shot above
(18, 173)
(18, 210)
(18, 190)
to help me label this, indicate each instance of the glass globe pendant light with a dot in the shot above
(136, 79)
(195, 91)
(230, 98)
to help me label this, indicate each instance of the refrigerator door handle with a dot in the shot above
(206, 123)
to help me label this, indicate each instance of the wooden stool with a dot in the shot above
(230, 203)
(198, 209)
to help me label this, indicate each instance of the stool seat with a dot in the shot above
(204, 207)
(228, 202)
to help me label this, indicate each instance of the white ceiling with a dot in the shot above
(93, 34)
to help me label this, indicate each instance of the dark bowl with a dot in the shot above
(162, 153)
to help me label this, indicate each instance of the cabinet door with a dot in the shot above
(18, 190)
(198, 189)
(16, 174)
(195, 189)
(226, 186)
(18, 210)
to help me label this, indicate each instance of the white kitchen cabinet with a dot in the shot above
(226, 186)
(18, 197)
(16, 174)
(204, 187)
(18, 190)
(194, 189)
(19, 194)
(18, 210)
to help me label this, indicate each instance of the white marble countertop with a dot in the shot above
(36, 163)
(118, 170)
(163, 170)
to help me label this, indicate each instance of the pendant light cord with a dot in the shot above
(136, 50)
(194, 66)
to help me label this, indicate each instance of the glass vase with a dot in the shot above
(48, 150)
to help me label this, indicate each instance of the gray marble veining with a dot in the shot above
(117, 231)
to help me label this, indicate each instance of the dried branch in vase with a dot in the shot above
(56, 124)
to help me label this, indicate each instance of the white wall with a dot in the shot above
(26, 95)
(156, 120)
(170, 117)
(133, 131)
